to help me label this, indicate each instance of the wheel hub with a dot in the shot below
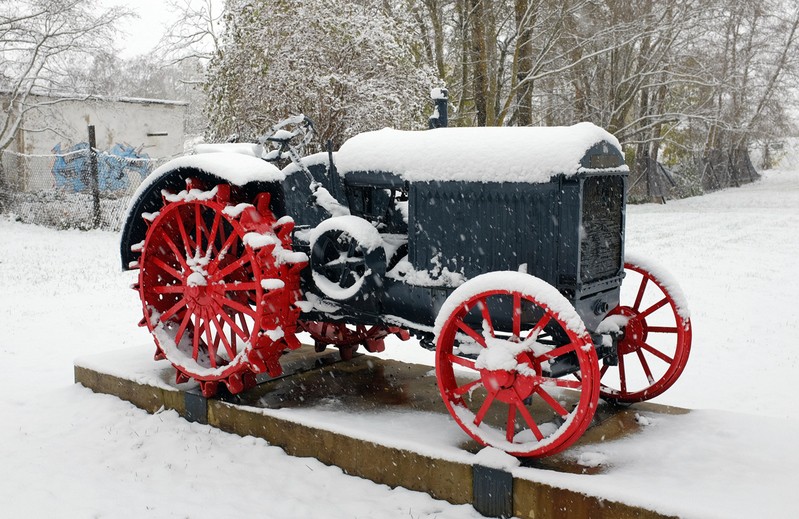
(200, 294)
(511, 385)
(635, 332)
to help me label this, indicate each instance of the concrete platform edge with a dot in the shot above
(442, 479)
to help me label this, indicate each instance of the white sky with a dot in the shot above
(140, 35)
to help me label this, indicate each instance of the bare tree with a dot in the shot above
(38, 39)
(196, 34)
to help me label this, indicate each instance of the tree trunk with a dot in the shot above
(524, 53)
(479, 53)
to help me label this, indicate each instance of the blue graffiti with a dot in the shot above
(72, 173)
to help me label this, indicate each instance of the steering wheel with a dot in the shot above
(288, 139)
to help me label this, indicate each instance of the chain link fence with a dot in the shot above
(78, 189)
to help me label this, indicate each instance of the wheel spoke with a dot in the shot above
(346, 270)
(235, 305)
(552, 402)
(216, 337)
(483, 305)
(168, 289)
(570, 384)
(517, 315)
(622, 374)
(236, 287)
(233, 326)
(645, 365)
(471, 333)
(652, 308)
(529, 419)
(195, 350)
(158, 262)
(220, 333)
(510, 430)
(657, 353)
(462, 390)
(539, 326)
(604, 370)
(180, 257)
(230, 268)
(640, 296)
(557, 352)
(226, 246)
(662, 329)
(184, 323)
(198, 221)
(172, 310)
(484, 408)
(334, 272)
(209, 341)
(244, 325)
(212, 234)
(187, 243)
(466, 363)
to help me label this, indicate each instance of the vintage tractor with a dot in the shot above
(502, 248)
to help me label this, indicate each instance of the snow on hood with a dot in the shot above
(496, 154)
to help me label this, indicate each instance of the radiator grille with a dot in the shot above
(601, 232)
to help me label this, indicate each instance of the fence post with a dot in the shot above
(3, 188)
(94, 176)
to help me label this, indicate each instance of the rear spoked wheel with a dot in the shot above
(503, 386)
(215, 296)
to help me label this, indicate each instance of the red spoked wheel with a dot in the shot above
(655, 338)
(218, 284)
(347, 338)
(496, 353)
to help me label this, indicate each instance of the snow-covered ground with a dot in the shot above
(68, 452)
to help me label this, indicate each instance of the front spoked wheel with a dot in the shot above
(655, 335)
(499, 377)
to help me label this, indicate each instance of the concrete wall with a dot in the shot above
(137, 128)
(125, 121)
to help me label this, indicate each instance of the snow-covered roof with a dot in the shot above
(79, 96)
(486, 154)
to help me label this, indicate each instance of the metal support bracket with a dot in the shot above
(196, 406)
(493, 491)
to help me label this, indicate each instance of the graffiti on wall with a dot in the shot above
(116, 169)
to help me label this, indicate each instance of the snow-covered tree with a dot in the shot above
(349, 65)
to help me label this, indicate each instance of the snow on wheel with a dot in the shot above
(655, 334)
(344, 251)
(503, 342)
(218, 285)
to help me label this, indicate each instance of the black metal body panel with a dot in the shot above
(298, 195)
(473, 228)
